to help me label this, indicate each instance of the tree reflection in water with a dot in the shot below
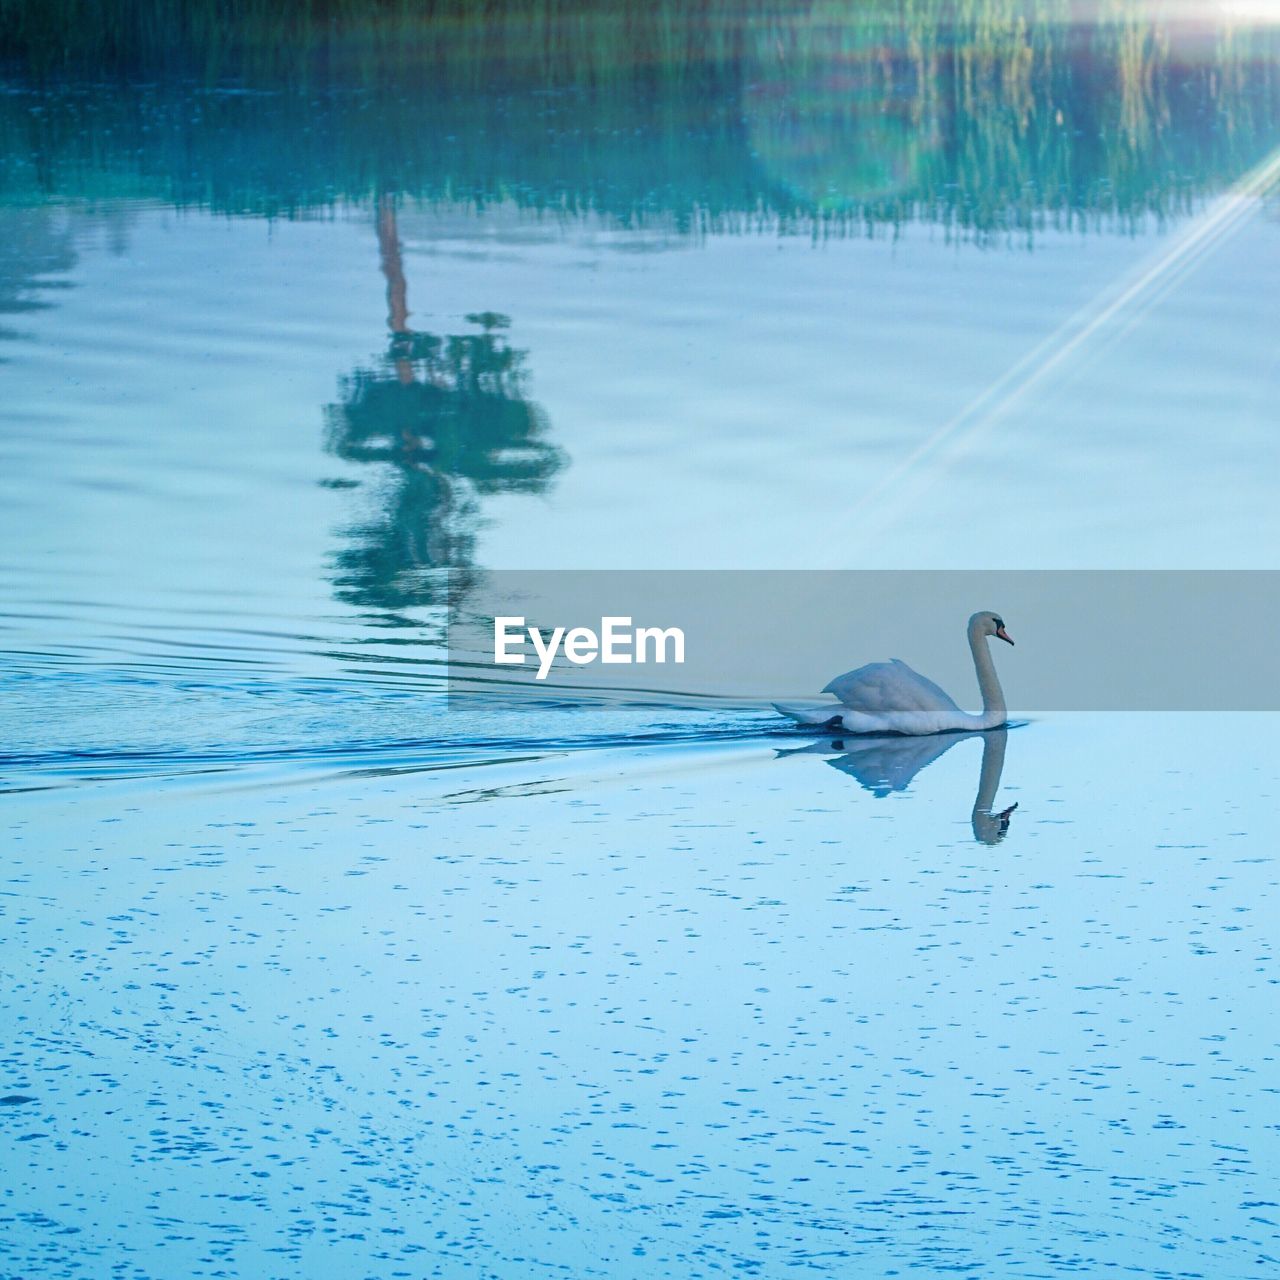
(446, 419)
(37, 249)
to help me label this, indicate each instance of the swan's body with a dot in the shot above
(889, 697)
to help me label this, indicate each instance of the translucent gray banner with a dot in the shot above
(1085, 640)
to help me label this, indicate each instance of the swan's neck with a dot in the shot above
(994, 711)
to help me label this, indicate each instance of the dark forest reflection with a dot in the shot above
(832, 118)
(446, 420)
(883, 764)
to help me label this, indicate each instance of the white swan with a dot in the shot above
(889, 697)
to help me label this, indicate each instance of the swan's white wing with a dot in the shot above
(881, 688)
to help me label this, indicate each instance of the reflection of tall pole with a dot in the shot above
(391, 254)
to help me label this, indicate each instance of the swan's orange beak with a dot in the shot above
(1002, 634)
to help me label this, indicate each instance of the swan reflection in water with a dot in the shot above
(887, 763)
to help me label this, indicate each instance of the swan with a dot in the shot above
(889, 697)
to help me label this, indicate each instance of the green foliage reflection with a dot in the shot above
(982, 115)
(446, 421)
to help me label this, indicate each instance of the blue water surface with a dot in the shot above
(310, 968)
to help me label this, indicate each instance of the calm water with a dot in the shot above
(302, 332)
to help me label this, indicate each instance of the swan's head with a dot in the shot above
(989, 624)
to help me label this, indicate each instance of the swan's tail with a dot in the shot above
(810, 713)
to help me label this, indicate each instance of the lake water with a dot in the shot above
(308, 966)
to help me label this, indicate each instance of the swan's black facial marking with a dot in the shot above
(998, 621)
